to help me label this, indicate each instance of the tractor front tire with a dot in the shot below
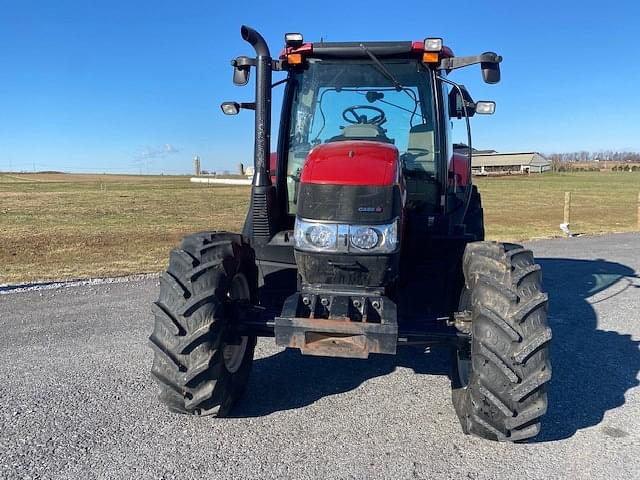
(499, 379)
(201, 368)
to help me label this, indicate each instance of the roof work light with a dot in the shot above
(432, 44)
(293, 40)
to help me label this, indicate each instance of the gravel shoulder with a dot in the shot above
(77, 401)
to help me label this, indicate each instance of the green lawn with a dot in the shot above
(67, 226)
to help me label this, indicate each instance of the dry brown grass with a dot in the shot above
(525, 207)
(69, 226)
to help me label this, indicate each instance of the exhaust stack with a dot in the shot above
(263, 194)
(263, 105)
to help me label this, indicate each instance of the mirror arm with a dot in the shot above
(460, 62)
(243, 62)
(459, 88)
(280, 82)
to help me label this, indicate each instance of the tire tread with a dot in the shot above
(506, 396)
(189, 322)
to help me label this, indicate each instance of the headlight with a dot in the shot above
(321, 236)
(331, 237)
(364, 237)
(389, 242)
(314, 235)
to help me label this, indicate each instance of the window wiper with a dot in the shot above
(383, 70)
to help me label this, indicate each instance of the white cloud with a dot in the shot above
(149, 152)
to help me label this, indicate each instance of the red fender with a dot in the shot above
(459, 167)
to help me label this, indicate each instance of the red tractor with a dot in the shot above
(364, 233)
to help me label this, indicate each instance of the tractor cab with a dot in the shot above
(364, 144)
(339, 100)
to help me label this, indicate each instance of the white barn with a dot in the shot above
(517, 162)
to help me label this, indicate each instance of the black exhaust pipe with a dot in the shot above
(256, 40)
(263, 105)
(263, 195)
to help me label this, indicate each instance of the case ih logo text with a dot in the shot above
(370, 209)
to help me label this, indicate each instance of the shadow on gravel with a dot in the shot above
(289, 380)
(592, 368)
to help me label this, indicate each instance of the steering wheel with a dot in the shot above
(377, 120)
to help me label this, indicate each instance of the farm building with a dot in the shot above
(524, 162)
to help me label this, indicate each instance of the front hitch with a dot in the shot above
(338, 325)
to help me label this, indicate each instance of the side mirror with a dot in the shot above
(456, 109)
(485, 107)
(241, 76)
(490, 70)
(241, 68)
(230, 108)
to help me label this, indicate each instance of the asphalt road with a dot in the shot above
(77, 401)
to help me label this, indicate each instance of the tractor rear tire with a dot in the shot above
(499, 380)
(201, 369)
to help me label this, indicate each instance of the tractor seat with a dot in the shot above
(419, 156)
(362, 131)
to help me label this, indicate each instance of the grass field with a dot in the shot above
(526, 207)
(70, 226)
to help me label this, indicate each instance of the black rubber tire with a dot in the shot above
(474, 219)
(191, 329)
(505, 396)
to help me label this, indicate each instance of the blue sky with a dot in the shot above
(136, 86)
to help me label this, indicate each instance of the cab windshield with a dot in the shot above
(335, 101)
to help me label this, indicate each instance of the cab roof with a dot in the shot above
(398, 49)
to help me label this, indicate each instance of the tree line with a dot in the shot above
(602, 156)
(594, 161)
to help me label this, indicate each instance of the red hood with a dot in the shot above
(352, 162)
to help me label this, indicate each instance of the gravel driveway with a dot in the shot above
(77, 401)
